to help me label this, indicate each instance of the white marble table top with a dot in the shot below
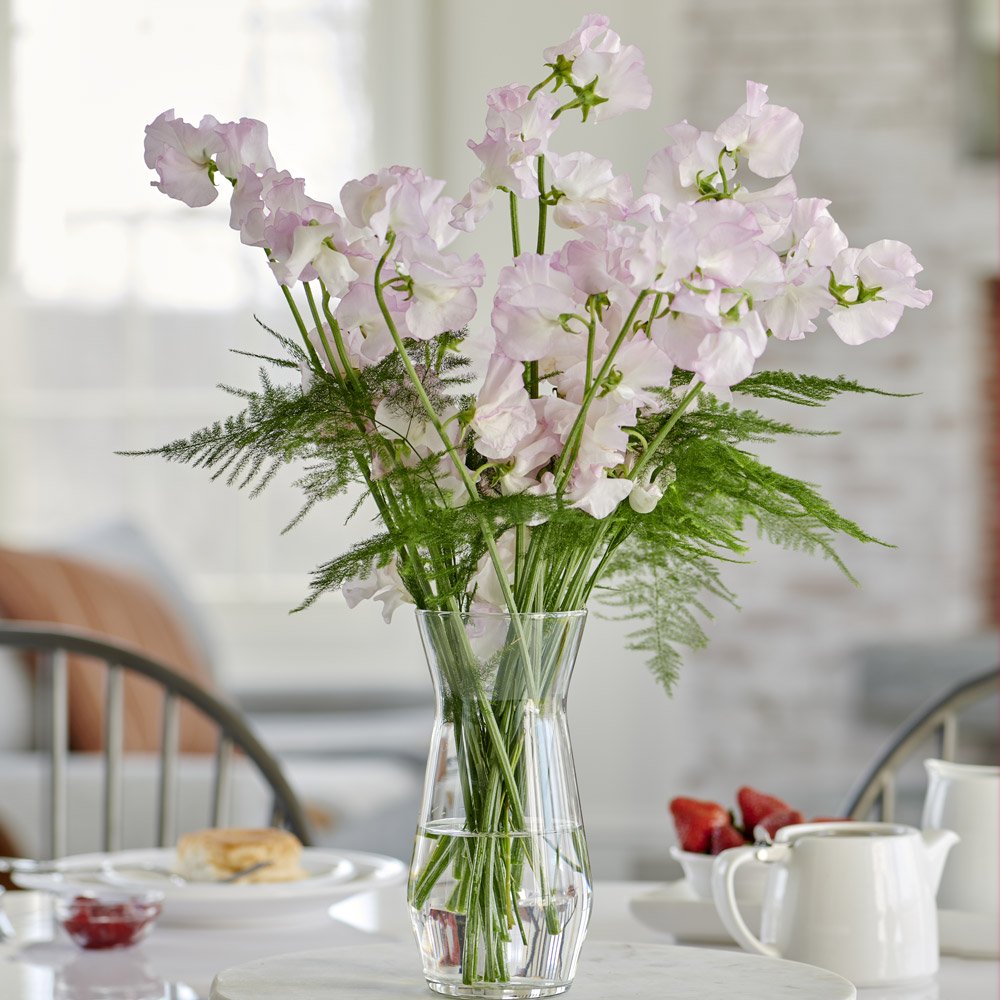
(607, 969)
(40, 962)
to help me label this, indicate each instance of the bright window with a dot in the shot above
(121, 304)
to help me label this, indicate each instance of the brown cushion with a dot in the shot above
(50, 588)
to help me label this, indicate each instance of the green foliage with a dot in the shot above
(669, 558)
(805, 390)
(655, 569)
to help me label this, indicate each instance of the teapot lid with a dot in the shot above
(842, 830)
(951, 769)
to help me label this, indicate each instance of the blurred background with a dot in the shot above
(118, 308)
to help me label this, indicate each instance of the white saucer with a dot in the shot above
(969, 935)
(674, 909)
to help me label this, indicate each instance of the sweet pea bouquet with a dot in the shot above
(603, 444)
(608, 443)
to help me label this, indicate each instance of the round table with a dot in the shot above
(607, 969)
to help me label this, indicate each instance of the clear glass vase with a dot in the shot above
(499, 890)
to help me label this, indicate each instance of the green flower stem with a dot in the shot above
(435, 420)
(568, 458)
(591, 336)
(543, 207)
(310, 298)
(386, 504)
(539, 86)
(515, 232)
(667, 427)
(313, 356)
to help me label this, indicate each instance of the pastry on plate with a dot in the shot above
(215, 854)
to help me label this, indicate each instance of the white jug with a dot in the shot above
(966, 798)
(854, 898)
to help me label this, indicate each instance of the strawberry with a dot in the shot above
(695, 820)
(828, 819)
(754, 806)
(773, 822)
(724, 837)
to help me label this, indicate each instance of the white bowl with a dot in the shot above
(750, 878)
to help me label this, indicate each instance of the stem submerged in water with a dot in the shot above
(498, 861)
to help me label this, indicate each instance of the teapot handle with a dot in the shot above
(724, 895)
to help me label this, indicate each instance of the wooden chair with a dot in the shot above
(938, 720)
(59, 651)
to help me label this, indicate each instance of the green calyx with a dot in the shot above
(863, 293)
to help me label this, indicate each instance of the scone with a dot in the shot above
(211, 855)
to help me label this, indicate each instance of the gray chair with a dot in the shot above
(938, 720)
(57, 650)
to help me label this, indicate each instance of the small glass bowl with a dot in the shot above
(108, 919)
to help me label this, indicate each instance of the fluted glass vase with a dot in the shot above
(500, 890)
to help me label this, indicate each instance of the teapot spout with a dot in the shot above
(937, 844)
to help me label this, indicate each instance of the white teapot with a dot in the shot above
(966, 798)
(854, 898)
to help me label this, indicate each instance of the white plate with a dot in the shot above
(125, 869)
(969, 935)
(675, 909)
(333, 875)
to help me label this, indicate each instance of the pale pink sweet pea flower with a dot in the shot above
(359, 311)
(247, 214)
(810, 244)
(767, 134)
(244, 144)
(508, 162)
(256, 198)
(645, 496)
(667, 250)
(720, 353)
(504, 412)
(603, 260)
(441, 295)
(332, 361)
(531, 298)
(591, 490)
(603, 441)
(813, 238)
(596, 52)
(889, 266)
(790, 315)
(727, 240)
(772, 207)
(517, 133)
(396, 198)
(474, 207)
(181, 154)
(488, 595)
(672, 173)
(315, 252)
(534, 451)
(621, 80)
(383, 584)
(439, 224)
(639, 366)
(510, 110)
(591, 193)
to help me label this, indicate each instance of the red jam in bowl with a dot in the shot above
(108, 922)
